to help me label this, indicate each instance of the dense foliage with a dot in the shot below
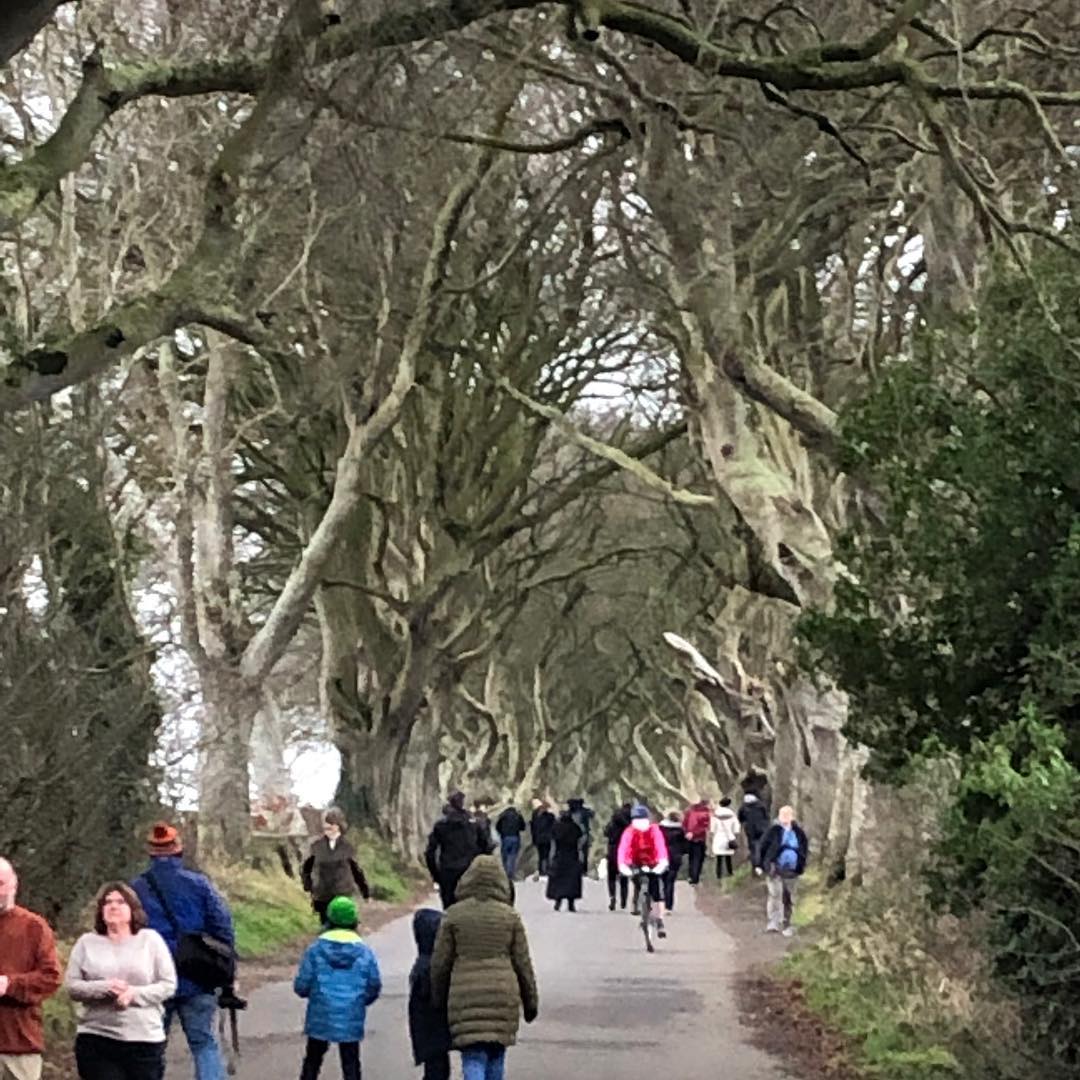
(958, 628)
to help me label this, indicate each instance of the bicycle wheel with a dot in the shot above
(646, 916)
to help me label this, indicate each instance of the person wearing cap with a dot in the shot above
(339, 977)
(180, 901)
(29, 973)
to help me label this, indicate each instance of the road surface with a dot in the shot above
(608, 1010)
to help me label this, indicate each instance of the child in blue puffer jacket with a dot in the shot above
(339, 976)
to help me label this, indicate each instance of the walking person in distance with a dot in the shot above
(674, 831)
(510, 825)
(619, 823)
(724, 834)
(696, 824)
(541, 829)
(784, 852)
(564, 882)
(331, 869)
(453, 844)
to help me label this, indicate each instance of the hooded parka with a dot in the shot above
(481, 965)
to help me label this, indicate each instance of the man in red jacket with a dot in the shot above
(696, 821)
(29, 973)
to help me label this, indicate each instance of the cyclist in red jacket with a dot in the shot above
(643, 847)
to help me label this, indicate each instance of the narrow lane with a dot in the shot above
(608, 1010)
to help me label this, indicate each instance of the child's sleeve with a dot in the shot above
(374, 980)
(305, 977)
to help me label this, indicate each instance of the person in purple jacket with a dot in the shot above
(194, 906)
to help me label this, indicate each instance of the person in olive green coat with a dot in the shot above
(482, 970)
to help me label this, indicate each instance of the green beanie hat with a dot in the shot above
(341, 912)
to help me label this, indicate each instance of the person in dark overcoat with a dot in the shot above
(564, 880)
(429, 1025)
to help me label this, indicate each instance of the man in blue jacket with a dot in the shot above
(197, 907)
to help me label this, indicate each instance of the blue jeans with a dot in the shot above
(511, 849)
(197, 1015)
(486, 1061)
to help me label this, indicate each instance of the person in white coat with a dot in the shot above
(723, 833)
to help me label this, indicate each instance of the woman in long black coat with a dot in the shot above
(564, 879)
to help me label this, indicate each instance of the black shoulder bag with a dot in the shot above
(200, 957)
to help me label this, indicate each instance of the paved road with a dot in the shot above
(608, 1010)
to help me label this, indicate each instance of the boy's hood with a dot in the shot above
(425, 925)
(342, 948)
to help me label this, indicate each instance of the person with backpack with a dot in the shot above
(541, 829)
(674, 829)
(784, 851)
(29, 975)
(724, 832)
(331, 868)
(643, 848)
(190, 914)
(339, 977)
(696, 825)
(454, 842)
(429, 1026)
(620, 820)
(510, 825)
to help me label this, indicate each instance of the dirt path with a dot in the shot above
(772, 1008)
(608, 1010)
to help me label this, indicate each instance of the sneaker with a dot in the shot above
(789, 931)
(661, 932)
(772, 929)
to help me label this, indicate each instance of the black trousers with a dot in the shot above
(614, 876)
(723, 866)
(543, 858)
(448, 883)
(670, 878)
(437, 1068)
(316, 1051)
(696, 859)
(656, 889)
(101, 1058)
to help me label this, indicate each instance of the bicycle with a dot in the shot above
(649, 922)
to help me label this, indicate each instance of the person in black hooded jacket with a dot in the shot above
(429, 1026)
(453, 844)
(619, 823)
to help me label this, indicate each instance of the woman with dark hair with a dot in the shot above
(331, 869)
(121, 975)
